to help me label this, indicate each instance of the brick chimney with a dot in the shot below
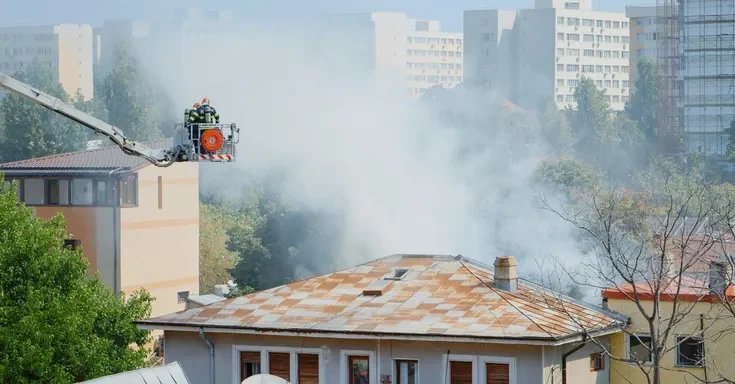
(506, 273)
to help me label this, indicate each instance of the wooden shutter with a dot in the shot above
(308, 369)
(498, 373)
(245, 359)
(280, 365)
(461, 372)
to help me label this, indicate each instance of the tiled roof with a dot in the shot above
(169, 373)
(443, 296)
(101, 160)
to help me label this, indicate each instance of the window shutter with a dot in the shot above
(252, 359)
(498, 373)
(280, 365)
(461, 372)
(308, 369)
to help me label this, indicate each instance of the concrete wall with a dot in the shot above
(76, 59)
(192, 353)
(160, 246)
(640, 23)
(718, 344)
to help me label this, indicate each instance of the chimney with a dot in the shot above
(719, 276)
(506, 273)
(221, 290)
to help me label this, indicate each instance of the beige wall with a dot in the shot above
(719, 342)
(160, 247)
(75, 59)
(193, 354)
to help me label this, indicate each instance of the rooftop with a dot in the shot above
(169, 373)
(87, 162)
(436, 297)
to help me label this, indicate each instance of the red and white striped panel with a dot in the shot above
(216, 157)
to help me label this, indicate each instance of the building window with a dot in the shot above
(616, 68)
(560, 20)
(249, 364)
(560, 98)
(598, 83)
(572, 68)
(572, 37)
(616, 99)
(182, 296)
(573, 83)
(608, 23)
(588, 23)
(616, 24)
(588, 38)
(625, 54)
(497, 373)
(589, 53)
(597, 362)
(72, 244)
(102, 193)
(33, 191)
(407, 371)
(57, 192)
(560, 67)
(560, 51)
(559, 82)
(460, 372)
(626, 40)
(625, 69)
(359, 369)
(572, 21)
(129, 190)
(598, 68)
(598, 23)
(616, 84)
(639, 348)
(279, 364)
(616, 39)
(626, 83)
(82, 192)
(560, 37)
(308, 368)
(608, 39)
(690, 351)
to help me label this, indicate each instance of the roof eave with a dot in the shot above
(362, 335)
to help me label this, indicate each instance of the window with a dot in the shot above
(608, 69)
(560, 20)
(129, 190)
(598, 68)
(308, 368)
(588, 22)
(625, 54)
(569, 5)
(460, 372)
(33, 191)
(589, 53)
(607, 83)
(572, 68)
(182, 296)
(249, 364)
(626, 39)
(102, 193)
(616, 39)
(597, 362)
(608, 54)
(559, 37)
(616, 24)
(572, 21)
(560, 51)
(73, 244)
(608, 39)
(616, 54)
(572, 37)
(279, 364)
(639, 348)
(589, 38)
(616, 84)
(82, 192)
(559, 82)
(560, 67)
(573, 83)
(407, 371)
(496, 373)
(599, 54)
(598, 83)
(359, 367)
(588, 69)
(616, 99)
(598, 23)
(560, 98)
(598, 38)
(625, 24)
(690, 351)
(616, 68)
(625, 69)
(626, 83)
(572, 52)
(608, 24)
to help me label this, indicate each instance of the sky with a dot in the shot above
(449, 12)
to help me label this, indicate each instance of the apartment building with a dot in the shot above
(548, 50)
(433, 57)
(113, 33)
(409, 53)
(65, 48)
(643, 36)
(137, 224)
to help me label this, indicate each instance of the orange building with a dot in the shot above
(137, 224)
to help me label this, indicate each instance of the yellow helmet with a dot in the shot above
(196, 105)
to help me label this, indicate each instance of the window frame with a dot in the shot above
(344, 356)
(70, 191)
(627, 349)
(447, 369)
(594, 356)
(294, 363)
(124, 191)
(679, 340)
(394, 371)
(511, 361)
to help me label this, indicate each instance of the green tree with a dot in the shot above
(566, 174)
(591, 121)
(129, 98)
(215, 260)
(30, 130)
(731, 141)
(643, 102)
(555, 128)
(57, 324)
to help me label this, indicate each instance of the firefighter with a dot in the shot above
(206, 108)
(194, 116)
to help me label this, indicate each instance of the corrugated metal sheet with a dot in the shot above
(439, 296)
(164, 374)
(205, 299)
(95, 161)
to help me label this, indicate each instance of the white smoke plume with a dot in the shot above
(347, 142)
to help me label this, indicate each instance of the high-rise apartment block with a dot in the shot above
(65, 48)
(533, 54)
(643, 36)
(432, 56)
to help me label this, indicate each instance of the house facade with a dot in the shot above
(133, 220)
(400, 319)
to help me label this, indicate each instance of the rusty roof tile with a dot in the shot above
(442, 295)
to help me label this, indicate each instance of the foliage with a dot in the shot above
(731, 141)
(215, 260)
(555, 128)
(643, 102)
(282, 244)
(564, 173)
(31, 130)
(129, 98)
(57, 324)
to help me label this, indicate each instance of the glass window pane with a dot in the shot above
(82, 192)
(34, 191)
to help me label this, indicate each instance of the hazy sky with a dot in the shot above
(40, 12)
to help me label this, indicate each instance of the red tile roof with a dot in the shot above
(81, 162)
(439, 296)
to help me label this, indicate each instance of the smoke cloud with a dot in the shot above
(345, 141)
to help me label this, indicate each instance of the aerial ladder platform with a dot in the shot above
(197, 142)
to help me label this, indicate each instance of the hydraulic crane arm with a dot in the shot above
(159, 157)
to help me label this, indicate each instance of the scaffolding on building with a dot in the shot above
(696, 66)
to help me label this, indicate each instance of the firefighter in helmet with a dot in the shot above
(205, 109)
(194, 116)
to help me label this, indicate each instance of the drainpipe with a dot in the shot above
(704, 363)
(115, 240)
(211, 355)
(564, 359)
